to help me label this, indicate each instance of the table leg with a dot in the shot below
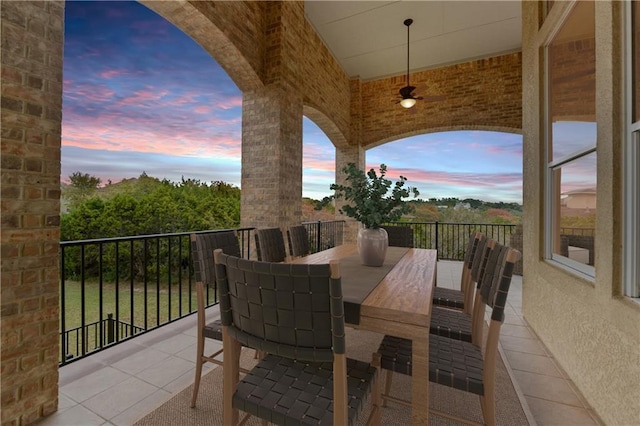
(420, 380)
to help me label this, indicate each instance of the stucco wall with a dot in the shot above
(593, 332)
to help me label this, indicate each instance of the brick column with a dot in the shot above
(351, 153)
(344, 156)
(271, 158)
(272, 127)
(32, 41)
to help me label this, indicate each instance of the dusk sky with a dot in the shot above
(140, 95)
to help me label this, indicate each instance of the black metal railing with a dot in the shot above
(146, 281)
(450, 239)
(142, 281)
(96, 335)
(324, 235)
(585, 232)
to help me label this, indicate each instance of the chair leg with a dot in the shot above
(376, 407)
(387, 386)
(196, 382)
(488, 405)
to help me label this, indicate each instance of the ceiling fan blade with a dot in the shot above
(435, 98)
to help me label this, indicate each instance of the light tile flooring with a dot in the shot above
(119, 385)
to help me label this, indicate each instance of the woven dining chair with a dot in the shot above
(457, 324)
(202, 247)
(295, 314)
(458, 364)
(463, 298)
(270, 245)
(399, 236)
(298, 241)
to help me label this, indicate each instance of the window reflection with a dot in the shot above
(576, 197)
(572, 137)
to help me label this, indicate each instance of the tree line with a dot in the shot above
(144, 206)
(147, 205)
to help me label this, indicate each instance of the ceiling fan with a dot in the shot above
(407, 97)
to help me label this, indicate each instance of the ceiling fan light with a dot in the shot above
(408, 102)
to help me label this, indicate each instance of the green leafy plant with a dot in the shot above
(367, 194)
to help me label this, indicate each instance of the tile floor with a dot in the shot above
(119, 385)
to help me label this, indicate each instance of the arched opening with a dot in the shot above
(457, 164)
(463, 176)
(131, 104)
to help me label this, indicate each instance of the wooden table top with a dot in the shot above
(403, 295)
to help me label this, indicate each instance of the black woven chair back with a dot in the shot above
(472, 248)
(479, 259)
(298, 241)
(399, 236)
(496, 277)
(202, 247)
(291, 310)
(270, 245)
(503, 273)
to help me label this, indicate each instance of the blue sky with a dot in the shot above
(140, 95)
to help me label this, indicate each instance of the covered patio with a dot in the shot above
(160, 364)
(284, 59)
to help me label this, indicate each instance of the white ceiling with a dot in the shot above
(369, 38)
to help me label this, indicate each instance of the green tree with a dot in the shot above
(82, 186)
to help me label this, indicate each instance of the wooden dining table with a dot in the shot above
(399, 305)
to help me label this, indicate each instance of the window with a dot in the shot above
(571, 142)
(632, 152)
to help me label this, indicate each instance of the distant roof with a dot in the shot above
(581, 191)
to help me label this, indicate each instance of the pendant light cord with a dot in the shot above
(408, 22)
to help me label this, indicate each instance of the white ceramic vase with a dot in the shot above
(372, 246)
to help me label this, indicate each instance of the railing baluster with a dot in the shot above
(157, 281)
(63, 313)
(82, 299)
(169, 269)
(101, 291)
(145, 278)
(117, 286)
(131, 286)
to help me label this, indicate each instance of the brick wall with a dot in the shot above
(573, 80)
(32, 34)
(484, 94)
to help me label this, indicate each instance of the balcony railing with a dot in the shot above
(113, 289)
(450, 239)
(116, 288)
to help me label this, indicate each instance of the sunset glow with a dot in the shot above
(141, 96)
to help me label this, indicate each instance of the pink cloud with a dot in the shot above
(109, 74)
(229, 103)
(95, 93)
(100, 137)
(142, 97)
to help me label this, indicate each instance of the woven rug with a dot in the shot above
(360, 344)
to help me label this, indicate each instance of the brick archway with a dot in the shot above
(220, 32)
(396, 137)
(485, 94)
(326, 125)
